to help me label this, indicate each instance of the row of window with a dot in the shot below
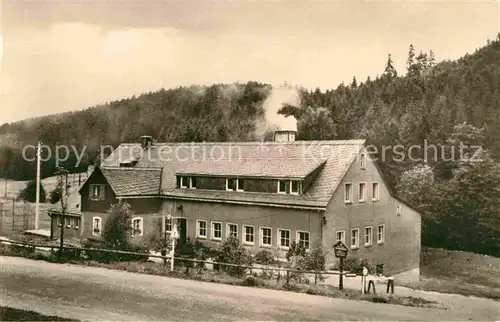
(348, 192)
(368, 236)
(283, 236)
(137, 226)
(238, 184)
(69, 222)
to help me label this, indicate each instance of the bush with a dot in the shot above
(29, 192)
(55, 195)
(232, 252)
(264, 257)
(355, 265)
(295, 250)
(314, 261)
(67, 254)
(117, 229)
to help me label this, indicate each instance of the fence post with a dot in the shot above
(25, 226)
(1, 217)
(13, 215)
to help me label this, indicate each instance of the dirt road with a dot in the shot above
(99, 294)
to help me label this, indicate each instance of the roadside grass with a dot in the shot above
(459, 272)
(219, 277)
(12, 314)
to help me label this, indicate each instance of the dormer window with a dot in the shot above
(293, 187)
(184, 182)
(282, 186)
(96, 192)
(187, 182)
(233, 184)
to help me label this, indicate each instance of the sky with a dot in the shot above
(59, 56)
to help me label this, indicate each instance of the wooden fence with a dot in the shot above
(47, 247)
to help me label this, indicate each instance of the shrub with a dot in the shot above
(117, 229)
(29, 192)
(55, 195)
(232, 252)
(264, 257)
(313, 261)
(295, 250)
(355, 265)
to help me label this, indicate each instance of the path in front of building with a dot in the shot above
(89, 293)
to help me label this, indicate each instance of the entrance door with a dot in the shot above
(182, 227)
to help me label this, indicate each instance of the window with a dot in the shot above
(77, 223)
(184, 182)
(216, 230)
(248, 237)
(265, 236)
(187, 182)
(290, 186)
(375, 191)
(368, 236)
(58, 221)
(380, 234)
(96, 226)
(201, 228)
(96, 191)
(362, 192)
(355, 238)
(137, 226)
(68, 222)
(232, 230)
(281, 186)
(348, 193)
(168, 225)
(362, 161)
(192, 182)
(284, 236)
(240, 185)
(295, 187)
(341, 236)
(303, 239)
(231, 184)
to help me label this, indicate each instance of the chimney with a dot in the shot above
(284, 136)
(146, 141)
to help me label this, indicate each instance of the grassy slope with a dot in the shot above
(13, 189)
(459, 272)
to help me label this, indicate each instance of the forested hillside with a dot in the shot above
(441, 103)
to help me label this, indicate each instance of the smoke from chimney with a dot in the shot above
(274, 102)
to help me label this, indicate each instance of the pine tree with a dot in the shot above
(432, 60)
(354, 83)
(422, 63)
(389, 68)
(410, 61)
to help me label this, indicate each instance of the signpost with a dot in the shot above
(341, 253)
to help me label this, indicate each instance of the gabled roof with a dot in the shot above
(270, 159)
(132, 181)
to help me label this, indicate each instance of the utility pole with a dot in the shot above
(62, 178)
(37, 209)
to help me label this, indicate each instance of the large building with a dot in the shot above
(265, 193)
